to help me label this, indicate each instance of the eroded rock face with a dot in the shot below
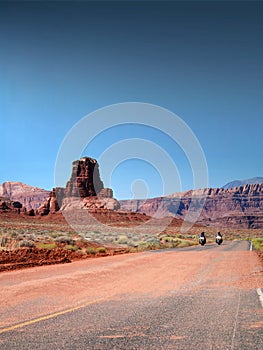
(238, 207)
(105, 193)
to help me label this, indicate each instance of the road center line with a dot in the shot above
(47, 317)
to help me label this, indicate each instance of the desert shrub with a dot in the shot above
(133, 244)
(257, 243)
(143, 246)
(91, 250)
(54, 234)
(133, 250)
(4, 241)
(185, 243)
(122, 240)
(31, 236)
(152, 240)
(101, 250)
(191, 236)
(48, 246)
(71, 247)
(71, 233)
(26, 243)
(64, 239)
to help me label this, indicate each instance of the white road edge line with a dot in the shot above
(259, 290)
(260, 294)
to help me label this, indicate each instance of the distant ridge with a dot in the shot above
(29, 196)
(238, 183)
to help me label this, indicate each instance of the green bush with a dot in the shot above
(91, 250)
(257, 243)
(101, 250)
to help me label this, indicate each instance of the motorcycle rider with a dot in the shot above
(219, 238)
(202, 238)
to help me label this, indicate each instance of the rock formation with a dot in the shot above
(84, 190)
(30, 197)
(85, 179)
(50, 205)
(7, 204)
(238, 207)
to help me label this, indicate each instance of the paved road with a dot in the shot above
(193, 298)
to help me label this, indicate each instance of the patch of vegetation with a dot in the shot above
(65, 239)
(48, 246)
(71, 247)
(257, 243)
(91, 250)
(54, 234)
(101, 250)
(122, 240)
(186, 243)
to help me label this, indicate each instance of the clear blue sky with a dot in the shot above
(59, 61)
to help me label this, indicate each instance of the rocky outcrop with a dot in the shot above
(30, 197)
(8, 205)
(85, 179)
(84, 190)
(238, 207)
(50, 205)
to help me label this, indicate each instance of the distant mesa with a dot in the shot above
(239, 207)
(238, 183)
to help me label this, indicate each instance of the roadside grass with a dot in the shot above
(257, 243)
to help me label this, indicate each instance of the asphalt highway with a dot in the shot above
(192, 298)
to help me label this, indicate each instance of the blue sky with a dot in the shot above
(60, 61)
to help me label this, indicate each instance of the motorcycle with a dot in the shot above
(202, 238)
(219, 239)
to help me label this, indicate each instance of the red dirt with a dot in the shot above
(260, 255)
(29, 257)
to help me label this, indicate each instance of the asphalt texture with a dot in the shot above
(189, 318)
